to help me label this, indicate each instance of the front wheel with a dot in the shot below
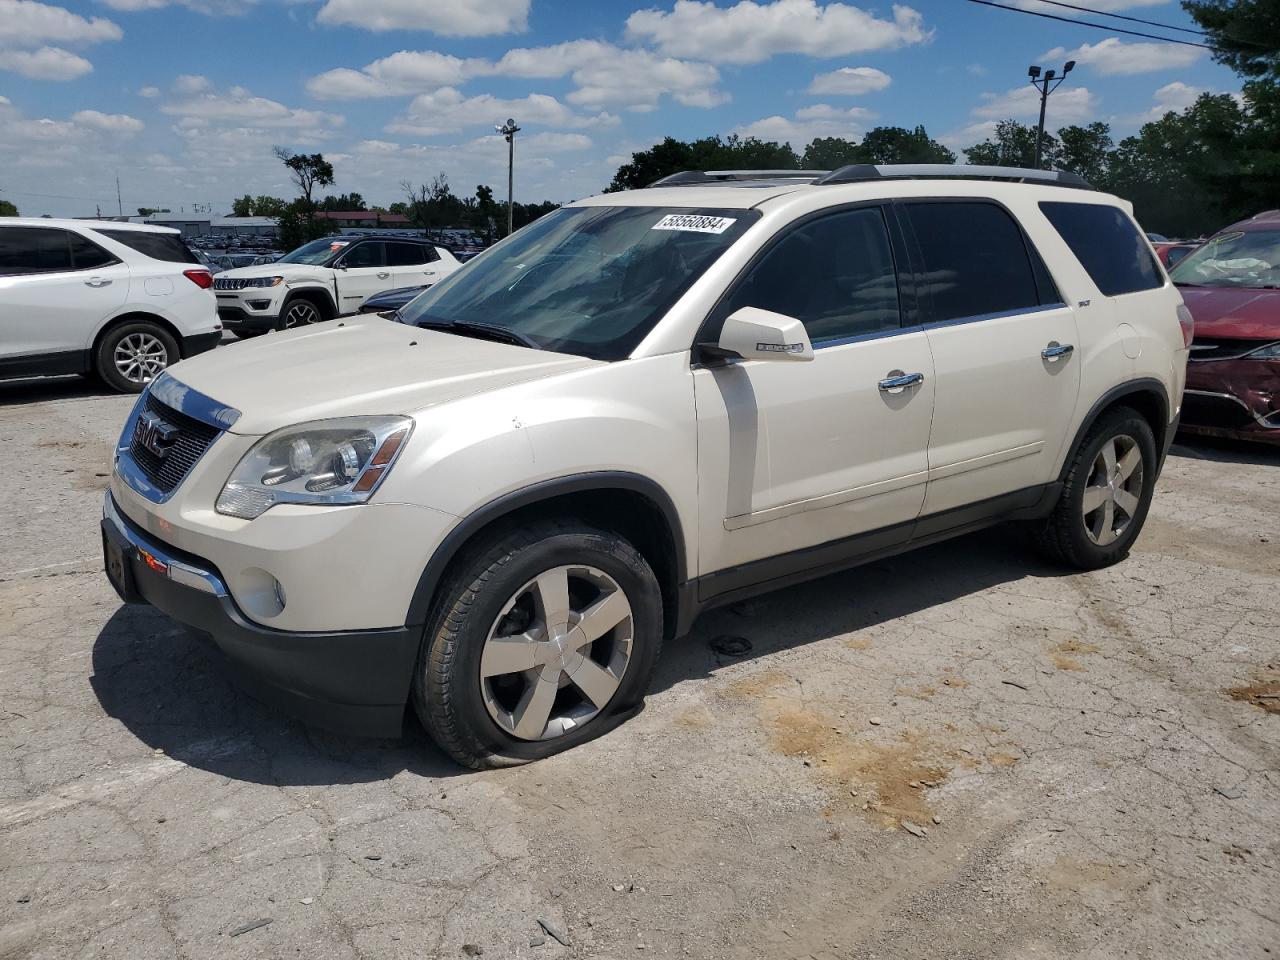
(1106, 495)
(299, 313)
(543, 638)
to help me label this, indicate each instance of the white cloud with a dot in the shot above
(240, 108)
(190, 83)
(212, 8)
(850, 81)
(447, 111)
(107, 122)
(149, 92)
(606, 75)
(47, 63)
(449, 18)
(1068, 105)
(1113, 57)
(405, 72)
(750, 32)
(818, 120)
(976, 70)
(1175, 96)
(26, 23)
(969, 135)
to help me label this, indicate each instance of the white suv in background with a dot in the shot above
(642, 405)
(324, 279)
(119, 300)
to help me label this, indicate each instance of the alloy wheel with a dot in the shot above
(1114, 490)
(300, 314)
(140, 357)
(557, 652)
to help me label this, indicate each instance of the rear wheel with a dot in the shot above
(1106, 495)
(247, 334)
(133, 354)
(543, 638)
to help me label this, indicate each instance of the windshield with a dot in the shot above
(315, 253)
(1239, 259)
(590, 281)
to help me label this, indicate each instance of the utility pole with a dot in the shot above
(119, 205)
(1046, 86)
(509, 131)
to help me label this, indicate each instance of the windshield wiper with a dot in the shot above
(486, 331)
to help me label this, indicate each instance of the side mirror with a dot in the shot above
(754, 334)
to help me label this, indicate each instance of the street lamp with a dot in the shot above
(509, 131)
(1046, 86)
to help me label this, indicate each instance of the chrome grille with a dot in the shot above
(192, 440)
(232, 283)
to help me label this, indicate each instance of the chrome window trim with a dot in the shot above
(999, 315)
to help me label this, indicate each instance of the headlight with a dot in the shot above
(1270, 352)
(263, 281)
(324, 462)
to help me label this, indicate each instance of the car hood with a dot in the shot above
(290, 271)
(1234, 312)
(358, 366)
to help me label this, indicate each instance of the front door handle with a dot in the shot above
(1055, 351)
(383, 275)
(897, 381)
(97, 282)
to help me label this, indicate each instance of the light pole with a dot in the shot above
(1046, 86)
(509, 131)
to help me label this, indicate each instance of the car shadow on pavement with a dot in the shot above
(167, 686)
(1225, 451)
(44, 389)
(853, 600)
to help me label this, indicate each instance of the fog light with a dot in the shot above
(259, 304)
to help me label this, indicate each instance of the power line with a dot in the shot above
(1096, 26)
(1121, 16)
(1149, 23)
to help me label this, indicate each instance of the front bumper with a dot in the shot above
(350, 681)
(236, 317)
(1237, 398)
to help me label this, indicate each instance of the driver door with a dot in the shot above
(361, 273)
(801, 463)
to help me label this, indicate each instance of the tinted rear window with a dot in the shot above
(1107, 244)
(158, 246)
(976, 262)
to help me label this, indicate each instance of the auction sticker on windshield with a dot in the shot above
(692, 223)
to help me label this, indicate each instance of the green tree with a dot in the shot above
(299, 225)
(308, 171)
(1012, 145)
(242, 206)
(344, 202)
(7, 209)
(486, 213)
(710, 153)
(900, 145)
(152, 211)
(831, 153)
(1086, 151)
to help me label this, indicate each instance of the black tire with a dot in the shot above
(447, 688)
(247, 334)
(1064, 537)
(115, 345)
(298, 312)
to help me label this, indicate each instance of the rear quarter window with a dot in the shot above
(167, 247)
(1108, 245)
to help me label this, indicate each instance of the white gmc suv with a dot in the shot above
(119, 300)
(642, 405)
(324, 279)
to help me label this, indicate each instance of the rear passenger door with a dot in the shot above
(1003, 344)
(410, 263)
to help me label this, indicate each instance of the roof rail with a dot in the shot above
(686, 178)
(856, 172)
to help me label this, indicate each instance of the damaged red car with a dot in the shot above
(1231, 284)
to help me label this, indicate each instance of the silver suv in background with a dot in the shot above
(122, 301)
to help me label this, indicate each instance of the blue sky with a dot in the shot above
(185, 98)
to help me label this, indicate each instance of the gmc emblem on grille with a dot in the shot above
(154, 434)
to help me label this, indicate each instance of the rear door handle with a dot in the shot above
(97, 282)
(897, 381)
(1056, 351)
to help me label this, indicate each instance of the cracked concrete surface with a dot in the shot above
(1092, 756)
